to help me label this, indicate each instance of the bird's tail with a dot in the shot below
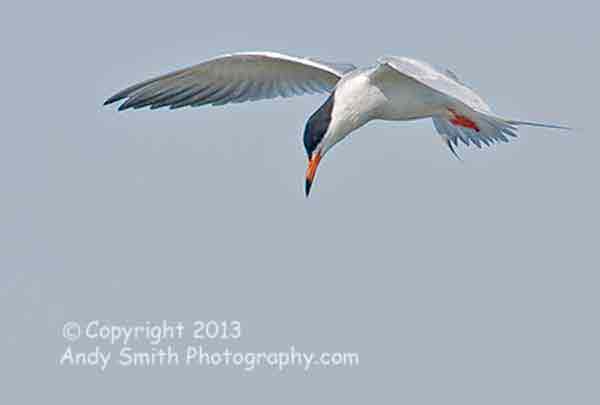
(481, 128)
(537, 124)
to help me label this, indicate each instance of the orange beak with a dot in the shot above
(311, 171)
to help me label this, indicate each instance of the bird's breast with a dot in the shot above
(356, 100)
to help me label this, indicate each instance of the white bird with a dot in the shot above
(394, 89)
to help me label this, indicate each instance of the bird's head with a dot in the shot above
(317, 139)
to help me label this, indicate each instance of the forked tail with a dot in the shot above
(480, 128)
(537, 124)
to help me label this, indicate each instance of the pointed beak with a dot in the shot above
(311, 171)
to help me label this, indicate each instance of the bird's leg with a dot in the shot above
(462, 121)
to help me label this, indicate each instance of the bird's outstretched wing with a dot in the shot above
(234, 78)
(466, 117)
(442, 81)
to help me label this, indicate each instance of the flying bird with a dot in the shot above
(393, 89)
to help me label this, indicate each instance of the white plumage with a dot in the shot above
(396, 88)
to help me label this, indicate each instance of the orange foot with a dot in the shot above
(462, 121)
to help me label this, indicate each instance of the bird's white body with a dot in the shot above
(363, 96)
(355, 103)
(394, 89)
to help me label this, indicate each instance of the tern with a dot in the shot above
(393, 89)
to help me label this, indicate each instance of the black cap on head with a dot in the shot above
(317, 126)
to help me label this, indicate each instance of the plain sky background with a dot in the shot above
(473, 283)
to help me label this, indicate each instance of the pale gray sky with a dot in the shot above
(473, 283)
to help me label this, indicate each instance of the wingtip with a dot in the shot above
(123, 107)
(111, 100)
(114, 98)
